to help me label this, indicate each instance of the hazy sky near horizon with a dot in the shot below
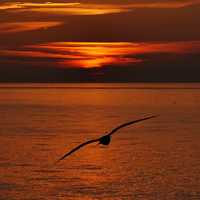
(92, 33)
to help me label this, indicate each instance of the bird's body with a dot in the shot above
(104, 140)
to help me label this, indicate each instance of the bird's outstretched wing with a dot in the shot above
(96, 140)
(76, 148)
(129, 123)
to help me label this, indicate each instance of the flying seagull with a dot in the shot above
(104, 140)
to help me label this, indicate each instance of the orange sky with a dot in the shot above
(87, 34)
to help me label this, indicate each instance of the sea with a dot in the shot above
(156, 159)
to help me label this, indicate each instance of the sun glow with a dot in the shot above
(97, 54)
(92, 54)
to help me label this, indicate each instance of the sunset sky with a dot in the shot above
(93, 40)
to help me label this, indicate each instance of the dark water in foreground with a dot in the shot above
(155, 159)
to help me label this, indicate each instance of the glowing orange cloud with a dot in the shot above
(64, 8)
(22, 5)
(13, 27)
(95, 54)
(76, 8)
(92, 54)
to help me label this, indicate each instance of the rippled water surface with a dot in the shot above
(154, 159)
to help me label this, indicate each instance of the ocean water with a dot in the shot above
(157, 159)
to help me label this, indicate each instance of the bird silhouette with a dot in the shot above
(104, 140)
